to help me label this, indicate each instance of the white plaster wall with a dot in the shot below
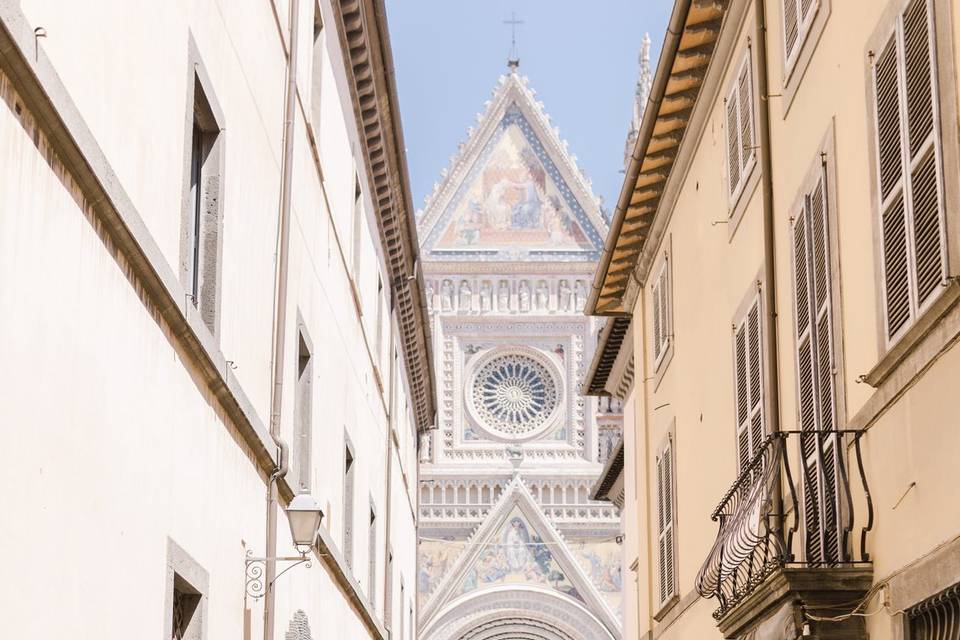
(112, 439)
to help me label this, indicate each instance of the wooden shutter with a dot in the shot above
(665, 520)
(733, 142)
(791, 28)
(740, 133)
(748, 371)
(797, 17)
(815, 378)
(909, 168)
(661, 317)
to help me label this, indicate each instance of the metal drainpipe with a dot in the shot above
(280, 322)
(769, 245)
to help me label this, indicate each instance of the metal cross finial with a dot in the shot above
(513, 61)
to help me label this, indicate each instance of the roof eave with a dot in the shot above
(365, 43)
(608, 298)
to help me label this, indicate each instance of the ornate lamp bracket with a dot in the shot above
(256, 567)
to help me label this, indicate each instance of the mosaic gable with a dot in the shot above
(517, 554)
(514, 193)
(514, 202)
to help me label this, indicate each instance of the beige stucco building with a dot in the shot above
(781, 280)
(209, 304)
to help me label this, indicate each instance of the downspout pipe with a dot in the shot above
(668, 52)
(769, 289)
(280, 322)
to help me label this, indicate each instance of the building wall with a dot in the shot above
(909, 446)
(116, 436)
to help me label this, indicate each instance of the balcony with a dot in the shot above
(787, 541)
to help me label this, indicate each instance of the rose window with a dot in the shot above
(513, 394)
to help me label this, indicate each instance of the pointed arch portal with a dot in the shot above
(516, 613)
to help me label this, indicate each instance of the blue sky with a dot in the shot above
(581, 58)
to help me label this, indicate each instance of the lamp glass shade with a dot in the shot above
(305, 515)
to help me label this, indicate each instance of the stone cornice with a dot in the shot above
(365, 43)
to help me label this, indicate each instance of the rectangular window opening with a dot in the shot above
(372, 542)
(303, 414)
(348, 479)
(185, 610)
(319, 42)
(203, 211)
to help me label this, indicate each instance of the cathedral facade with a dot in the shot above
(510, 541)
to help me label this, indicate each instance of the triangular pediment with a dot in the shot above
(513, 192)
(517, 545)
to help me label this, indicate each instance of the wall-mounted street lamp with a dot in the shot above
(304, 515)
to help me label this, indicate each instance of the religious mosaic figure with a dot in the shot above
(503, 296)
(543, 295)
(523, 292)
(516, 540)
(563, 295)
(486, 296)
(446, 296)
(466, 296)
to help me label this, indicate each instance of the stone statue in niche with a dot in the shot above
(580, 295)
(486, 296)
(430, 295)
(503, 296)
(523, 293)
(563, 295)
(543, 295)
(466, 296)
(446, 296)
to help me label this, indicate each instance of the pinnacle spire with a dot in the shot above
(640, 97)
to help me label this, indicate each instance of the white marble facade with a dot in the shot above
(509, 242)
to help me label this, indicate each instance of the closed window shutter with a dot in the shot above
(797, 17)
(665, 515)
(733, 143)
(909, 168)
(746, 116)
(661, 311)
(815, 378)
(740, 134)
(657, 319)
(749, 384)
(791, 27)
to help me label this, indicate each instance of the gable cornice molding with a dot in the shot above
(365, 45)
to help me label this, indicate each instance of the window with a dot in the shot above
(348, 474)
(936, 618)
(909, 169)
(203, 199)
(357, 227)
(388, 594)
(748, 376)
(187, 584)
(319, 43)
(378, 329)
(403, 628)
(666, 554)
(184, 614)
(372, 556)
(739, 114)
(303, 413)
(816, 368)
(662, 320)
(797, 19)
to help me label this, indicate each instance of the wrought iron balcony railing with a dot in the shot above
(770, 519)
